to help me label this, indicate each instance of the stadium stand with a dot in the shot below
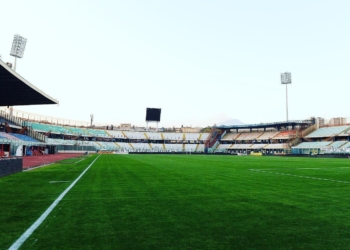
(230, 136)
(313, 144)
(24, 137)
(346, 145)
(337, 144)
(327, 132)
(284, 135)
(268, 135)
(8, 136)
(276, 146)
(248, 136)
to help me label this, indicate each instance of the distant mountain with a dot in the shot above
(230, 122)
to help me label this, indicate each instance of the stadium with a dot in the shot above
(281, 185)
(174, 125)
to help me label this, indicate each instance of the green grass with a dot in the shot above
(182, 202)
(74, 160)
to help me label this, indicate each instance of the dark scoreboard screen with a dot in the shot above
(153, 115)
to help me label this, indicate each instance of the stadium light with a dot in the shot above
(91, 119)
(286, 78)
(18, 46)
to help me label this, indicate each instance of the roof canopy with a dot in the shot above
(15, 90)
(270, 125)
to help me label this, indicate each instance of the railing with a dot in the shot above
(15, 120)
(308, 130)
(223, 134)
(217, 143)
(20, 122)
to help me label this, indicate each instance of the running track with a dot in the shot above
(38, 160)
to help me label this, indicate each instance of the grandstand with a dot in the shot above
(21, 131)
(296, 137)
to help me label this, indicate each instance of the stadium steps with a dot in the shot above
(183, 147)
(260, 135)
(346, 131)
(338, 146)
(131, 145)
(149, 144)
(108, 134)
(125, 135)
(308, 130)
(162, 137)
(183, 137)
(85, 131)
(308, 140)
(163, 144)
(146, 136)
(200, 136)
(295, 142)
(98, 144)
(197, 145)
(117, 144)
(331, 137)
(238, 135)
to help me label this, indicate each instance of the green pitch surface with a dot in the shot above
(181, 202)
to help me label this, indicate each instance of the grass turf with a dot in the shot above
(182, 202)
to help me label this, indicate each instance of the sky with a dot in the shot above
(201, 62)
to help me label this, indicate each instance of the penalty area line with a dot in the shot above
(18, 243)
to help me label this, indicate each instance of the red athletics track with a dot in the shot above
(38, 160)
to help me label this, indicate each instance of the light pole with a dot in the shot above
(17, 50)
(91, 119)
(18, 46)
(286, 78)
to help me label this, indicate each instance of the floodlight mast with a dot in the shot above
(91, 119)
(18, 46)
(17, 50)
(286, 78)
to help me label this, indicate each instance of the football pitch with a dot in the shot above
(179, 202)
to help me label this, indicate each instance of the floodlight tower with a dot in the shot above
(18, 46)
(17, 50)
(91, 119)
(286, 78)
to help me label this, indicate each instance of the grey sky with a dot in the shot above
(202, 62)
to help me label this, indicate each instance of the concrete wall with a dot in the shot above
(10, 166)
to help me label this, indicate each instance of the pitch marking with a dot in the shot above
(300, 176)
(18, 243)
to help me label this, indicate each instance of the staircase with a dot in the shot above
(212, 139)
(308, 130)
(200, 137)
(131, 145)
(125, 135)
(99, 144)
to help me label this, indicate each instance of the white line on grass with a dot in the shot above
(18, 243)
(82, 159)
(300, 176)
